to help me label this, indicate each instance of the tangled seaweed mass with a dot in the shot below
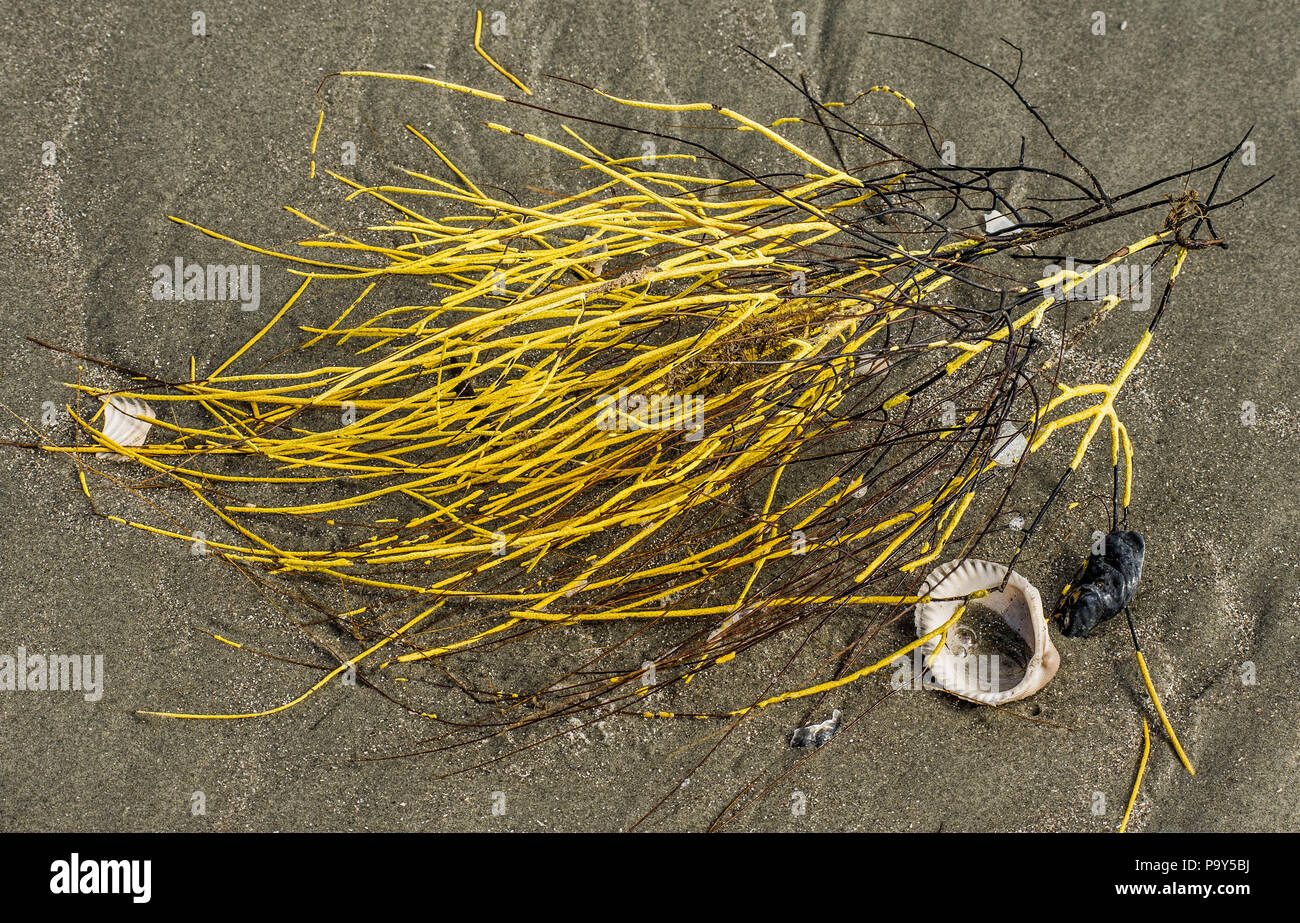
(708, 407)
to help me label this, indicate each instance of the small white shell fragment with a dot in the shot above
(123, 425)
(870, 364)
(727, 623)
(599, 250)
(1010, 445)
(1020, 607)
(815, 735)
(995, 222)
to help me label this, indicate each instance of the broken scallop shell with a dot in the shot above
(123, 423)
(1020, 607)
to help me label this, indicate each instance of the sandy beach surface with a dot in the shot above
(147, 120)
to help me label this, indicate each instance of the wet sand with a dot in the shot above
(149, 120)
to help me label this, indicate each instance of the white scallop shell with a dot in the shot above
(123, 425)
(1020, 607)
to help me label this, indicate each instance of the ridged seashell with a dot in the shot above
(1020, 607)
(123, 425)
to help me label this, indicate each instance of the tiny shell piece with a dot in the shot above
(995, 222)
(870, 364)
(1010, 445)
(1020, 607)
(123, 423)
(815, 735)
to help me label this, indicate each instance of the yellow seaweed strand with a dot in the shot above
(1142, 768)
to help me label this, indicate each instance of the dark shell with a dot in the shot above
(1109, 583)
